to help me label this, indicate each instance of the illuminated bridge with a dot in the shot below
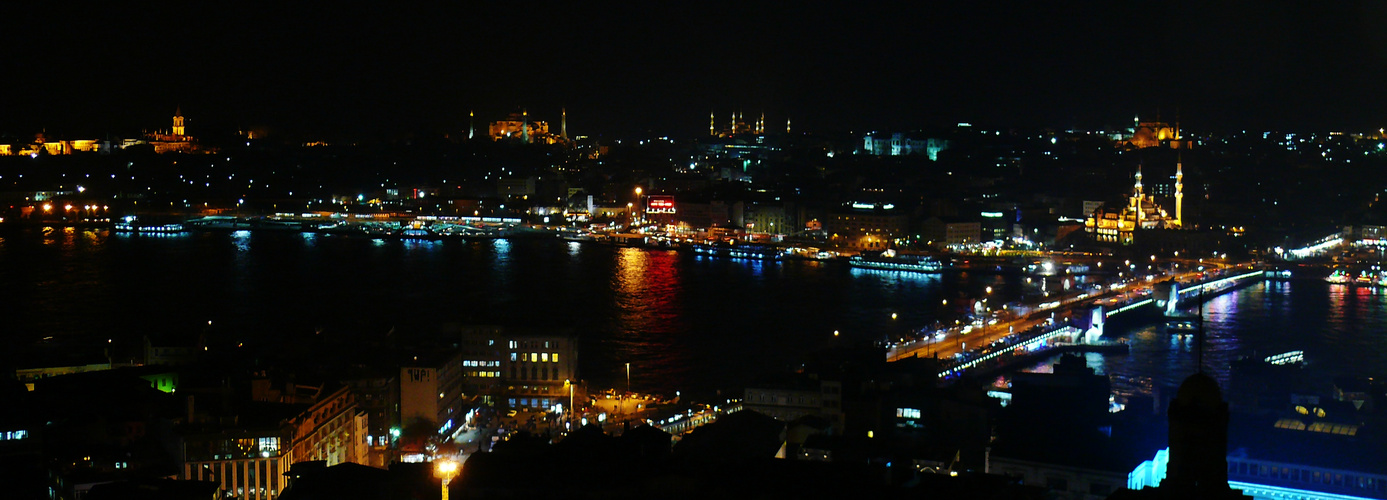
(1086, 331)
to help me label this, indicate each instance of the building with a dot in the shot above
(520, 126)
(900, 144)
(737, 125)
(951, 231)
(509, 368)
(1119, 224)
(1151, 134)
(1057, 433)
(43, 145)
(247, 459)
(867, 226)
(175, 140)
(791, 399)
(333, 430)
(416, 397)
(770, 218)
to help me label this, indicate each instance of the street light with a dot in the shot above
(446, 469)
(569, 383)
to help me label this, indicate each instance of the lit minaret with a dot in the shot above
(732, 126)
(787, 126)
(563, 123)
(1137, 196)
(471, 124)
(1179, 190)
(712, 123)
(761, 125)
(178, 121)
(525, 127)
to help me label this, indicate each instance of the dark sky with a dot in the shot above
(630, 68)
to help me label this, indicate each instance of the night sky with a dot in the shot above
(622, 70)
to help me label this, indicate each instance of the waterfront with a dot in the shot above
(685, 322)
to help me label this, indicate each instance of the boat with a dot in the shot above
(1338, 276)
(1181, 325)
(752, 251)
(129, 224)
(890, 260)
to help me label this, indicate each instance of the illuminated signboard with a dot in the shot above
(658, 204)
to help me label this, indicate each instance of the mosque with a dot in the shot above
(737, 125)
(1149, 134)
(519, 126)
(1119, 224)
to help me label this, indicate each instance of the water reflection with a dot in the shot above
(649, 294)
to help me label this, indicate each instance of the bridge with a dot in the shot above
(1084, 334)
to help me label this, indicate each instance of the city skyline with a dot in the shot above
(660, 70)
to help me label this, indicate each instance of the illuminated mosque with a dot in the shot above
(737, 125)
(1118, 225)
(520, 126)
(1150, 134)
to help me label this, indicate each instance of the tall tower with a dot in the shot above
(787, 126)
(471, 124)
(525, 125)
(712, 123)
(178, 121)
(761, 125)
(1138, 197)
(1179, 189)
(563, 123)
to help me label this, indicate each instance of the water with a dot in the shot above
(683, 321)
(1342, 329)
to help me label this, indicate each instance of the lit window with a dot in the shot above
(512, 357)
(554, 357)
(544, 356)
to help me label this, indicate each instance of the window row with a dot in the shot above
(535, 357)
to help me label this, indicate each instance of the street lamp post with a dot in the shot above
(446, 469)
(640, 206)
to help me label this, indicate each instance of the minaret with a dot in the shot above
(178, 121)
(761, 125)
(787, 126)
(1138, 197)
(1179, 188)
(712, 123)
(471, 124)
(732, 126)
(525, 125)
(563, 123)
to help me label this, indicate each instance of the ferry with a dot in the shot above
(130, 225)
(1339, 276)
(892, 261)
(745, 251)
